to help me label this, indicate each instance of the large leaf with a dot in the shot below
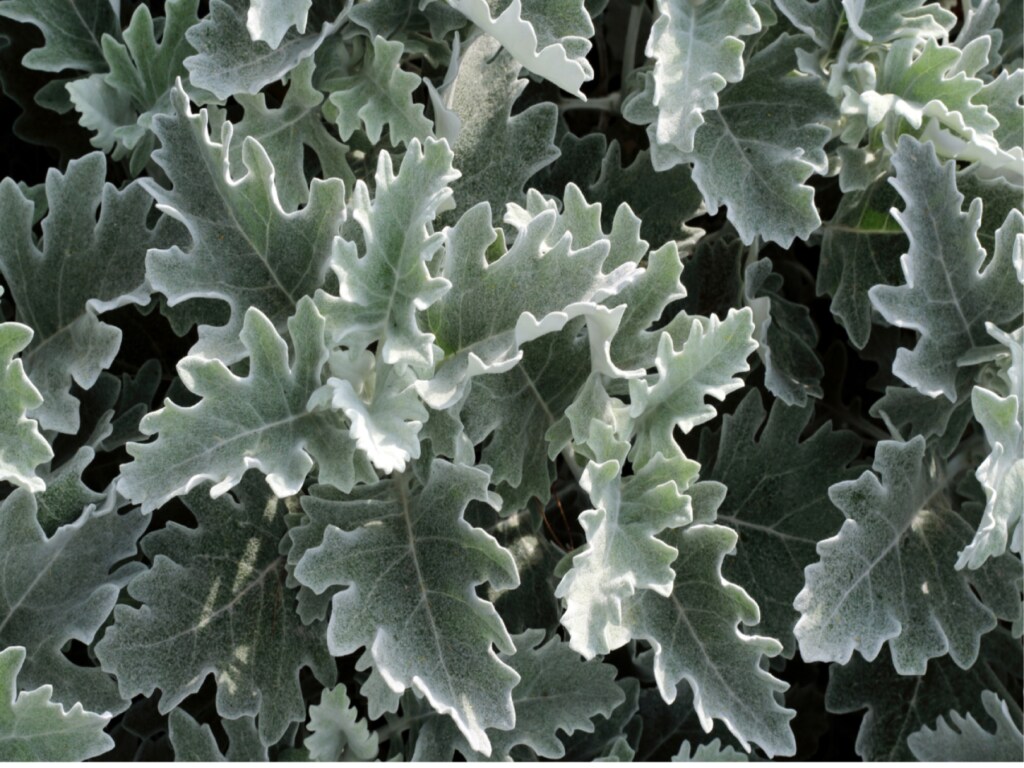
(380, 292)
(548, 37)
(246, 249)
(62, 588)
(777, 501)
(714, 352)
(72, 30)
(964, 739)
(413, 545)
(899, 705)
(90, 260)
(119, 106)
(379, 94)
(501, 299)
(695, 635)
(215, 602)
(756, 159)
(22, 448)
(260, 420)
(1002, 472)
(228, 61)
(888, 576)
(34, 728)
(495, 151)
(623, 554)
(697, 49)
(557, 691)
(949, 296)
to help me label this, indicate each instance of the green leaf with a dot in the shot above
(34, 728)
(227, 59)
(286, 132)
(777, 501)
(898, 705)
(72, 30)
(269, 20)
(502, 297)
(63, 588)
(888, 576)
(948, 297)
(756, 159)
(381, 291)
(964, 739)
(785, 335)
(496, 152)
(336, 733)
(706, 365)
(260, 420)
(119, 105)
(1002, 472)
(697, 49)
(695, 635)
(89, 261)
(879, 22)
(510, 414)
(712, 752)
(860, 248)
(548, 37)
(204, 608)
(379, 94)
(246, 250)
(557, 691)
(193, 742)
(22, 448)
(623, 554)
(413, 545)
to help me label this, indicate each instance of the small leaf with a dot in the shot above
(336, 733)
(379, 94)
(22, 448)
(193, 742)
(34, 728)
(963, 739)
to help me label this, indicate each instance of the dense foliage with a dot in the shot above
(414, 379)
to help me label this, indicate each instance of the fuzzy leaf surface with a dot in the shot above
(963, 738)
(695, 635)
(215, 602)
(80, 268)
(777, 501)
(259, 420)
(246, 249)
(886, 577)
(414, 545)
(948, 297)
(34, 728)
(61, 588)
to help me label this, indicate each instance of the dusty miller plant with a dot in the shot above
(405, 379)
